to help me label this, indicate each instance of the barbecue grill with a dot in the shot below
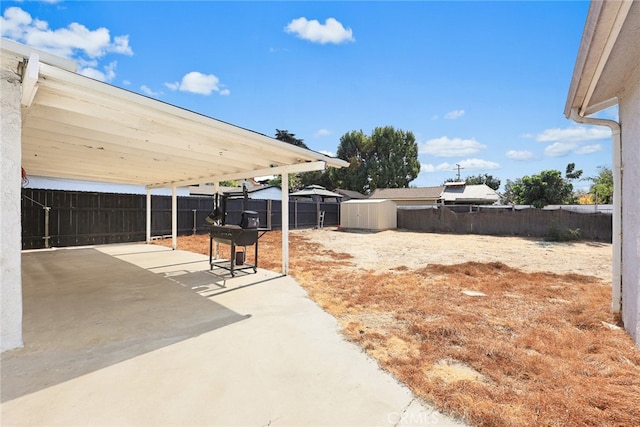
(243, 235)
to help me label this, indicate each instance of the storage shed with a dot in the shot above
(370, 214)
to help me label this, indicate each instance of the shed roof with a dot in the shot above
(79, 128)
(350, 194)
(422, 193)
(369, 202)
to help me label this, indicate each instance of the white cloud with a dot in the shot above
(73, 40)
(331, 31)
(468, 164)
(107, 75)
(519, 155)
(574, 134)
(93, 73)
(322, 132)
(196, 82)
(148, 91)
(478, 164)
(451, 147)
(452, 115)
(277, 50)
(588, 149)
(428, 167)
(559, 149)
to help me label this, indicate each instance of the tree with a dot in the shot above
(489, 180)
(300, 180)
(321, 178)
(602, 188)
(354, 147)
(394, 158)
(289, 138)
(386, 159)
(546, 188)
(294, 182)
(509, 196)
(571, 172)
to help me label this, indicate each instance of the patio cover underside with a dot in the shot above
(75, 127)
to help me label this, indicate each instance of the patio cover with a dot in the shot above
(79, 128)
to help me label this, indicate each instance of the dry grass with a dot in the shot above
(534, 350)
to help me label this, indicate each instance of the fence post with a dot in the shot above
(194, 221)
(46, 226)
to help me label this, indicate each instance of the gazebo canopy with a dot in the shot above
(315, 190)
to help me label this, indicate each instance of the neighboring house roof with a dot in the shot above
(237, 191)
(480, 193)
(608, 56)
(421, 193)
(207, 189)
(315, 190)
(350, 194)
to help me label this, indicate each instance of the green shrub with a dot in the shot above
(562, 234)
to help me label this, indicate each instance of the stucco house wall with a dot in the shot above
(10, 227)
(629, 103)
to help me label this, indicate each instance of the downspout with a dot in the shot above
(617, 171)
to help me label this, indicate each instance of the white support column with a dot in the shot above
(148, 221)
(285, 224)
(174, 218)
(216, 245)
(10, 218)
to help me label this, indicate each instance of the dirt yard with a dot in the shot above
(388, 250)
(498, 331)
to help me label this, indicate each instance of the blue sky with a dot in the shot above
(480, 84)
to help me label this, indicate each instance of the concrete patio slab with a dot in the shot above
(140, 335)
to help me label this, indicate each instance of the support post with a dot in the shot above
(174, 218)
(285, 224)
(216, 190)
(148, 217)
(46, 227)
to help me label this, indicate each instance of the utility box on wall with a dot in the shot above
(370, 214)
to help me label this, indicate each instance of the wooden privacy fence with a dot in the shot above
(57, 218)
(506, 222)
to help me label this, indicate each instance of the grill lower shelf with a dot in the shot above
(234, 236)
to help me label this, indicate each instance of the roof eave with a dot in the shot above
(602, 28)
